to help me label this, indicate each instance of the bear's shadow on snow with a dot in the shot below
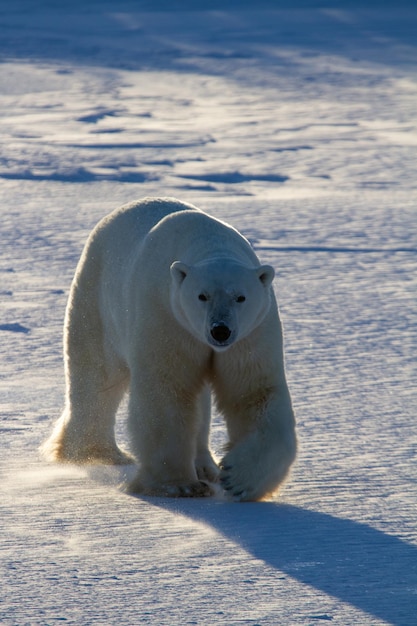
(351, 561)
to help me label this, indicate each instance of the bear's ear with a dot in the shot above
(178, 272)
(266, 274)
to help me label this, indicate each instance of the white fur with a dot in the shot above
(170, 303)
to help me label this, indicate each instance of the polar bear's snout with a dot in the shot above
(220, 332)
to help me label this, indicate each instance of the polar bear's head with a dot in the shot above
(220, 301)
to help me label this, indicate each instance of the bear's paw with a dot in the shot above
(195, 489)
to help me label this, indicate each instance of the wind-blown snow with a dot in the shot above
(296, 122)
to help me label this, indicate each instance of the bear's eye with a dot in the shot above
(202, 297)
(240, 299)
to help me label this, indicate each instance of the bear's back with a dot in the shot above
(136, 220)
(193, 236)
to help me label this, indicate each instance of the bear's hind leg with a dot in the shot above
(85, 431)
(206, 466)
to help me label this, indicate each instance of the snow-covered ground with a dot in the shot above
(296, 122)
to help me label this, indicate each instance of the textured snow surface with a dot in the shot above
(296, 122)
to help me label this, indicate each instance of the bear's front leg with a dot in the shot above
(164, 428)
(260, 457)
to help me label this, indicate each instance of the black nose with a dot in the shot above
(220, 332)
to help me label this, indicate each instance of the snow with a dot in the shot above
(296, 122)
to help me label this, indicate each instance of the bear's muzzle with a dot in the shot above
(220, 332)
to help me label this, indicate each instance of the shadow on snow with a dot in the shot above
(375, 572)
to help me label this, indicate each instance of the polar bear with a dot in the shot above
(174, 305)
